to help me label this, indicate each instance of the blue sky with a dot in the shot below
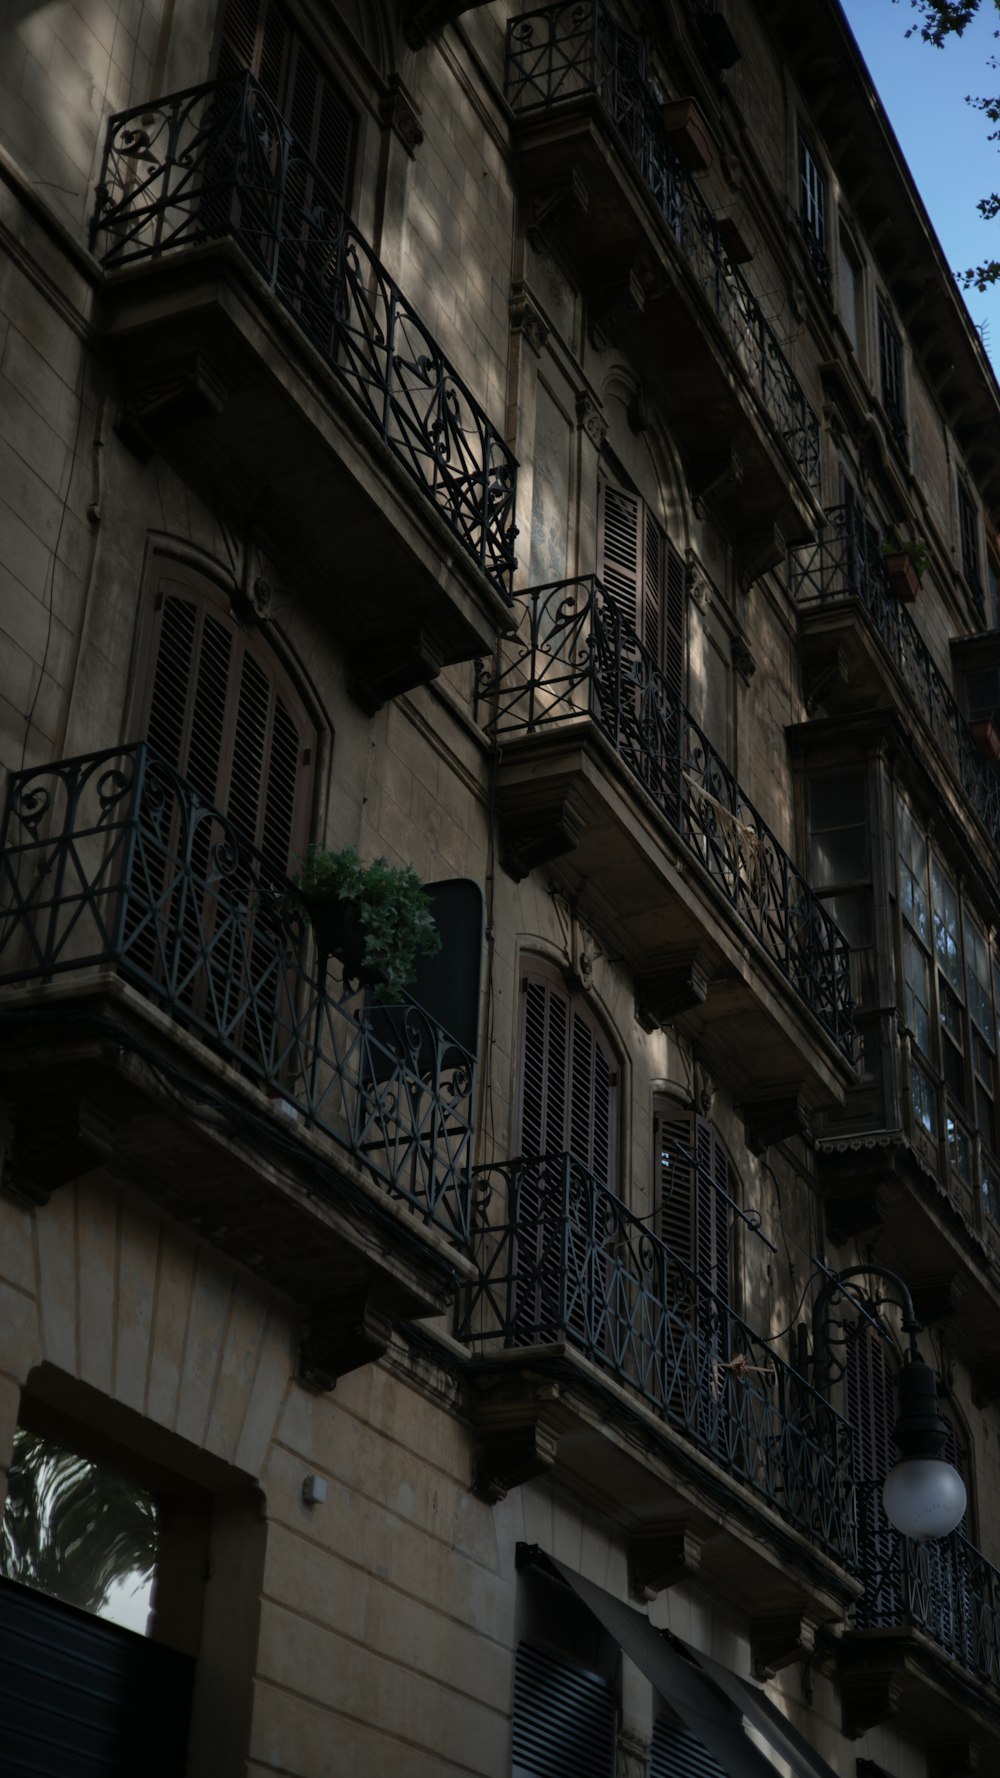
(923, 90)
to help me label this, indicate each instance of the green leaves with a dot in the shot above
(392, 907)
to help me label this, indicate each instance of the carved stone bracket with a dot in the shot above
(516, 1440)
(822, 676)
(854, 1213)
(986, 1381)
(526, 319)
(533, 831)
(614, 306)
(699, 587)
(742, 658)
(870, 1695)
(658, 1560)
(340, 1334)
(758, 550)
(713, 475)
(568, 199)
(53, 1145)
(591, 418)
(399, 111)
(662, 994)
(779, 1640)
(393, 666)
(936, 1297)
(773, 1119)
(191, 391)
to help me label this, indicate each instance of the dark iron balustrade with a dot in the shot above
(576, 657)
(846, 562)
(945, 1588)
(571, 1263)
(220, 161)
(113, 859)
(558, 54)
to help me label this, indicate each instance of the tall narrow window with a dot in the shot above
(850, 284)
(694, 1186)
(812, 210)
(567, 1078)
(259, 37)
(968, 526)
(644, 575)
(890, 361)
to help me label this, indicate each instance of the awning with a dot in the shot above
(694, 1686)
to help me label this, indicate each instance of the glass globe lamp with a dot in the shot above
(924, 1497)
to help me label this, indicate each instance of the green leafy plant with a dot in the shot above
(395, 924)
(917, 551)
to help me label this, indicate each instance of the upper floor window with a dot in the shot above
(850, 288)
(568, 1081)
(951, 1001)
(261, 37)
(812, 210)
(644, 575)
(890, 363)
(968, 527)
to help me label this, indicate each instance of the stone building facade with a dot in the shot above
(543, 446)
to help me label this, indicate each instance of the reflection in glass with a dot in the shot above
(79, 1532)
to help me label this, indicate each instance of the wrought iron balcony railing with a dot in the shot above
(570, 1263)
(558, 54)
(846, 562)
(113, 859)
(579, 658)
(946, 1588)
(220, 161)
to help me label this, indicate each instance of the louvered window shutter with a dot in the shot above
(644, 575)
(260, 37)
(619, 550)
(224, 714)
(712, 1212)
(564, 1719)
(694, 1216)
(673, 1139)
(677, 1754)
(674, 611)
(567, 1079)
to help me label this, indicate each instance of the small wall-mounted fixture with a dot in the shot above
(313, 1490)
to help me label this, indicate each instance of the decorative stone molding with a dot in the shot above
(399, 111)
(742, 658)
(566, 199)
(526, 319)
(699, 587)
(633, 1755)
(591, 419)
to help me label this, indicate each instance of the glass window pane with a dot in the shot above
(838, 830)
(959, 1150)
(917, 992)
(977, 956)
(924, 1102)
(947, 942)
(79, 1531)
(913, 873)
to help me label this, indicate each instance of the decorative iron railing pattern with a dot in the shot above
(220, 161)
(576, 656)
(571, 1263)
(114, 859)
(846, 562)
(945, 1588)
(566, 52)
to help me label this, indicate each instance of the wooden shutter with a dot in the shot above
(564, 1719)
(567, 1079)
(871, 1403)
(694, 1217)
(260, 36)
(223, 712)
(644, 575)
(677, 1754)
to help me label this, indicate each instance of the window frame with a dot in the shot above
(812, 188)
(892, 381)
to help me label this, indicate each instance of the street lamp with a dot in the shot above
(923, 1495)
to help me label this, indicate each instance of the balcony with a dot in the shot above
(601, 178)
(926, 1637)
(215, 230)
(883, 659)
(601, 764)
(596, 1343)
(177, 1028)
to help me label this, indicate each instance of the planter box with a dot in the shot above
(904, 580)
(688, 134)
(986, 735)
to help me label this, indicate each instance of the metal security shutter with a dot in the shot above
(564, 1719)
(260, 37)
(677, 1754)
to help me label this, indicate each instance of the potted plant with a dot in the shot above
(905, 563)
(374, 918)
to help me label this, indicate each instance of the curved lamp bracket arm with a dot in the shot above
(834, 1286)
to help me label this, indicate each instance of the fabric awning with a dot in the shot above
(711, 1701)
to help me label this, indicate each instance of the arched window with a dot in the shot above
(694, 1183)
(568, 1081)
(215, 701)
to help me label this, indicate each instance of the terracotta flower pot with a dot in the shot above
(903, 577)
